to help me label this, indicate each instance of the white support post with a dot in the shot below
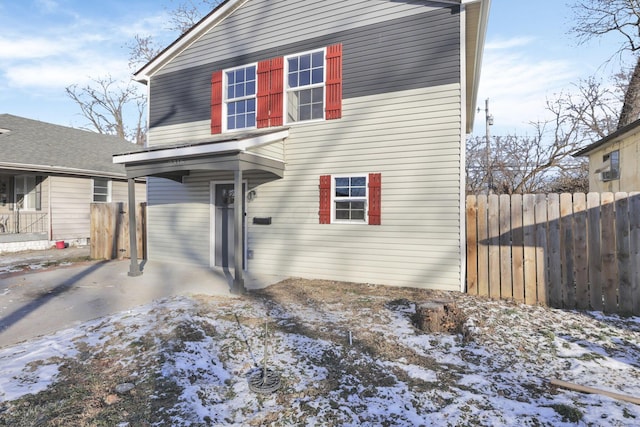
(238, 241)
(134, 268)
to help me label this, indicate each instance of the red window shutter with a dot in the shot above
(325, 199)
(264, 69)
(375, 192)
(334, 82)
(216, 102)
(276, 91)
(270, 92)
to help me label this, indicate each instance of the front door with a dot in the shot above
(224, 224)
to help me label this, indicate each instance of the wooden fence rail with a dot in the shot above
(575, 251)
(109, 237)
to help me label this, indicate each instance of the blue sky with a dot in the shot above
(46, 45)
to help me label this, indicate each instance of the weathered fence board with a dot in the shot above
(483, 246)
(634, 260)
(472, 248)
(595, 268)
(541, 243)
(506, 284)
(109, 234)
(608, 252)
(494, 246)
(580, 251)
(563, 250)
(517, 269)
(528, 225)
(555, 264)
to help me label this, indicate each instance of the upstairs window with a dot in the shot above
(301, 87)
(305, 86)
(240, 98)
(612, 159)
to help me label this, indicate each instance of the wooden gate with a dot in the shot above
(110, 230)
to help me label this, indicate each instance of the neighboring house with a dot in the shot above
(614, 161)
(340, 124)
(49, 176)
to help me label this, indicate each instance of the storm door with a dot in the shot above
(224, 224)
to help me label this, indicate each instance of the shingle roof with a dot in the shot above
(46, 147)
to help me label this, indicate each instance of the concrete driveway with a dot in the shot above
(44, 301)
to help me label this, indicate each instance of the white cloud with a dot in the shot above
(48, 6)
(58, 74)
(518, 82)
(508, 43)
(13, 49)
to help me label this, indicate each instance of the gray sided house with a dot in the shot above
(49, 176)
(315, 139)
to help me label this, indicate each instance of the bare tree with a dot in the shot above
(181, 18)
(597, 18)
(525, 164)
(103, 103)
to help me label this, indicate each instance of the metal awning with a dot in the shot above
(230, 153)
(237, 153)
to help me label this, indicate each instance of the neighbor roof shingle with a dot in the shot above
(54, 148)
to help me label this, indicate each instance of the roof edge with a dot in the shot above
(208, 22)
(60, 170)
(615, 135)
(483, 24)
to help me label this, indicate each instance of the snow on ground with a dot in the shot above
(390, 374)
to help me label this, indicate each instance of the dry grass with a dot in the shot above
(328, 312)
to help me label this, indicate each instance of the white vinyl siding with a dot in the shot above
(178, 214)
(71, 198)
(418, 242)
(70, 201)
(412, 137)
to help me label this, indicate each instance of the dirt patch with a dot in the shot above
(346, 354)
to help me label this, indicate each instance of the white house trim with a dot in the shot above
(201, 149)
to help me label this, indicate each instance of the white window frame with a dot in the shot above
(23, 178)
(226, 100)
(335, 199)
(93, 190)
(288, 90)
(612, 173)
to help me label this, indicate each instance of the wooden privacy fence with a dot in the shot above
(575, 251)
(109, 237)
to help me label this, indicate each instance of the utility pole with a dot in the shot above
(488, 122)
